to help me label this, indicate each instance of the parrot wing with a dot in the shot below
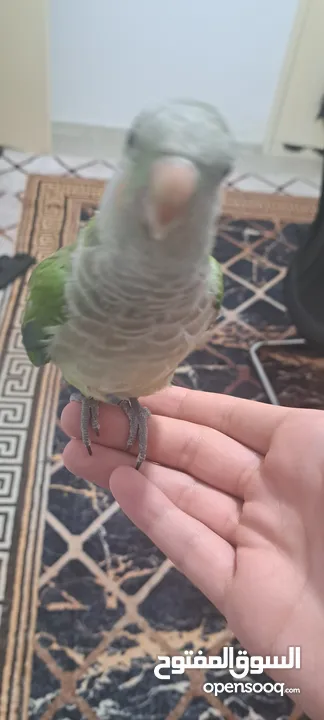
(45, 306)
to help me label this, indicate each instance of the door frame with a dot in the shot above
(25, 118)
(272, 144)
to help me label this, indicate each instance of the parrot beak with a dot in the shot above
(173, 183)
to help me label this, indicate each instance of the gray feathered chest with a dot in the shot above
(131, 321)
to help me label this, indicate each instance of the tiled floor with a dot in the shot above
(293, 176)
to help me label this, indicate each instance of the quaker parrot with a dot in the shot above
(122, 307)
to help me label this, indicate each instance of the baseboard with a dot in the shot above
(95, 142)
(105, 143)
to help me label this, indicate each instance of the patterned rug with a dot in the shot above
(87, 602)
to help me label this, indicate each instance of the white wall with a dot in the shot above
(109, 58)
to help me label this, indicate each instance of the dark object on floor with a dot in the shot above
(303, 294)
(12, 267)
(320, 114)
(304, 283)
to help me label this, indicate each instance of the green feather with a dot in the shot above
(216, 282)
(45, 306)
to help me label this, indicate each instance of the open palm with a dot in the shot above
(233, 493)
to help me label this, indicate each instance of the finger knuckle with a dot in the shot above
(229, 526)
(181, 408)
(189, 451)
(184, 561)
(186, 496)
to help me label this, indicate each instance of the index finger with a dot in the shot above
(249, 422)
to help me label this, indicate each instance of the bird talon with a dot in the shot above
(139, 462)
(137, 416)
(89, 416)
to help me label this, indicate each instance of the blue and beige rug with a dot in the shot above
(87, 602)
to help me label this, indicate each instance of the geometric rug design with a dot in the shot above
(87, 602)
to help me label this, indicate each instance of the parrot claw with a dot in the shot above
(89, 415)
(138, 417)
(136, 414)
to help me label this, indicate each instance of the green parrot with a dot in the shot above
(138, 291)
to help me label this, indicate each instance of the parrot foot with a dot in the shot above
(89, 416)
(138, 417)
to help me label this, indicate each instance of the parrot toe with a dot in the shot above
(94, 416)
(89, 416)
(138, 417)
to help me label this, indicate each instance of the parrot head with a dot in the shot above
(175, 155)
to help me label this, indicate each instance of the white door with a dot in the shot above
(301, 85)
(25, 122)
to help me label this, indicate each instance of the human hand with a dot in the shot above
(233, 493)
